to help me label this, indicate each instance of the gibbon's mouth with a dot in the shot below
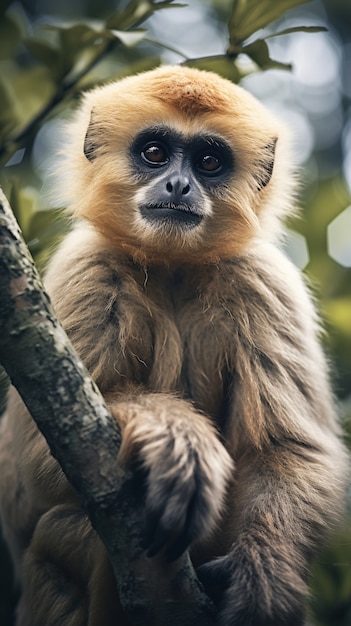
(174, 214)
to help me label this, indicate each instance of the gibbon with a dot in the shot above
(203, 339)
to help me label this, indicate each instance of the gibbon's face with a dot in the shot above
(176, 163)
(179, 174)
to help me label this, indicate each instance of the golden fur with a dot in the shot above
(204, 344)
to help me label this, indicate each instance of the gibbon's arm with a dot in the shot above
(291, 467)
(119, 334)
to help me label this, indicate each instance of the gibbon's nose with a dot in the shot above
(177, 186)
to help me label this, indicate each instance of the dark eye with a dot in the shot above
(154, 154)
(209, 164)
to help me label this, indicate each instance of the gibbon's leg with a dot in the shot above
(186, 468)
(285, 501)
(66, 577)
(65, 574)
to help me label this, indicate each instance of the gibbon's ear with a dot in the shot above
(90, 144)
(263, 176)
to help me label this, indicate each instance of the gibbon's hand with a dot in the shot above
(186, 469)
(177, 504)
(254, 589)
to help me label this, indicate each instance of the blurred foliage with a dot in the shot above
(331, 605)
(59, 58)
(332, 281)
(51, 52)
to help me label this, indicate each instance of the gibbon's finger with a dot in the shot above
(160, 539)
(173, 532)
(215, 577)
(214, 572)
(176, 549)
(165, 542)
(183, 520)
(163, 530)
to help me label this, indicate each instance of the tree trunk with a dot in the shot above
(71, 414)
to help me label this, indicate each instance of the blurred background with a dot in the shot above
(50, 52)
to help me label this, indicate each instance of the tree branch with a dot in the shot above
(72, 416)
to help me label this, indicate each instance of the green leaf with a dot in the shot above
(248, 16)
(10, 36)
(49, 227)
(331, 580)
(258, 51)
(23, 203)
(4, 5)
(75, 37)
(80, 46)
(130, 38)
(34, 88)
(137, 12)
(44, 226)
(8, 109)
(298, 29)
(338, 312)
(44, 51)
(221, 64)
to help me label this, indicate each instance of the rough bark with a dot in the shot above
(83, 437)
